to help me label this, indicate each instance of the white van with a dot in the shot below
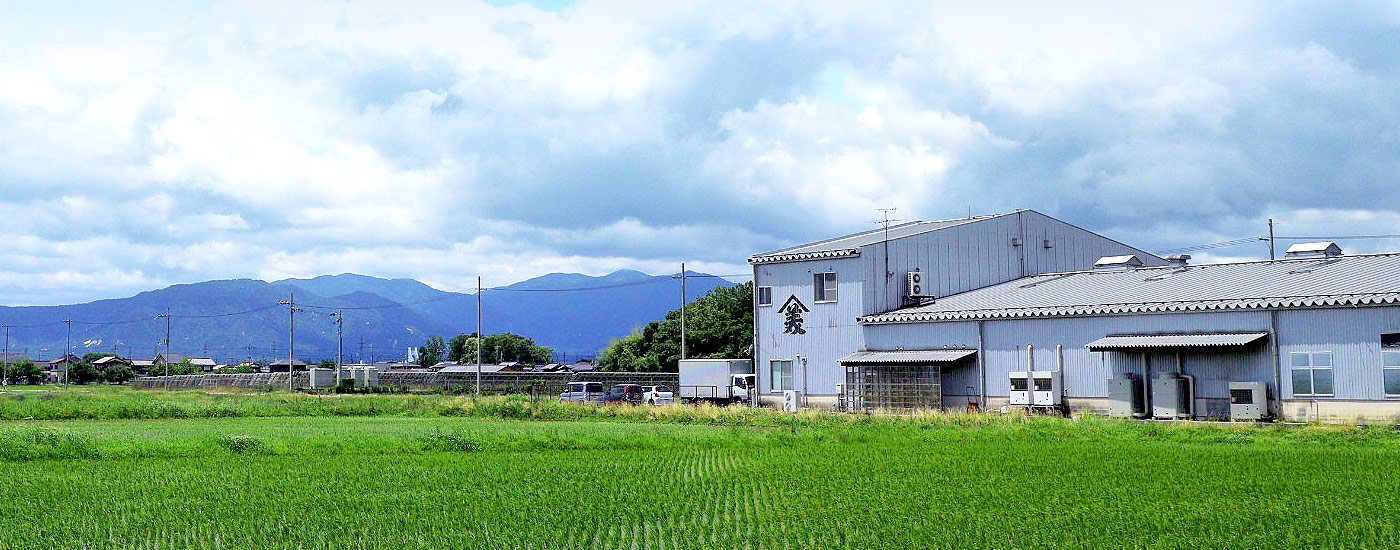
(583, 392)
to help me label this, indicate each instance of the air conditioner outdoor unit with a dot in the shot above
(791, 399)
(914, 285)
(1048, 388)
(1020, 388)
(1249, 401)
(1124, 395)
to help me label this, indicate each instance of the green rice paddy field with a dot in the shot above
(127, 469)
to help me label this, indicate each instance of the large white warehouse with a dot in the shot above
(985, 311)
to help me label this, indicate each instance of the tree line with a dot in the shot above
(718, 325)
(495, 349)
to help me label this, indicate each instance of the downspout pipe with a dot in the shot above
(1060, 367)
(981, 368)
(1276, 406)
(1146, 389)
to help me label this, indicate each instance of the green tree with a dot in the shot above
(327, 364)
(496, 348)
(26, 372)
(82, 373)
(118, 374)
(718, 325)
(175, 369)
(431, 352)
(243, 368)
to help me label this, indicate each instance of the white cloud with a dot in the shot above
(150, 144)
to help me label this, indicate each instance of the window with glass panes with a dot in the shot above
(1390, 372)
(765, 296)
(1312, 374)
(781, 374)
(824, 287)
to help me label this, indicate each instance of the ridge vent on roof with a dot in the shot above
(1326, 249)
(1119, 263)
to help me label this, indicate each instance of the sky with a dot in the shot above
(144, 144)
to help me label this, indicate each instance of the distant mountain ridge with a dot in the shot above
(239, 319)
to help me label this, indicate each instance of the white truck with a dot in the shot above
(718, 381)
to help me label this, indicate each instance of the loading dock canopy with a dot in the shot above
(1136, 342)
(906, 357)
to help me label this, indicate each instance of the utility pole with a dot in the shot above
(292, 309)
(249, 349)
(5, 362)
(68, 354)
(683, 310)
(360, 358)
(478, 335)
(339, 317)
(166, 358)
(1271, 239)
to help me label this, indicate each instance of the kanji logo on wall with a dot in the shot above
(793, 309)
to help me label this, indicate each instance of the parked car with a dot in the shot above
(657, 395)
(624, 393)
(582, 392)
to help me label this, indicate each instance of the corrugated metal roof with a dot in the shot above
(471, 368)
(906, 357)
(1288, 283)
(1149, 341)
(849, 245)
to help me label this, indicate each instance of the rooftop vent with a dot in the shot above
(1109, 263)
(1324, 249)
(1178, 260)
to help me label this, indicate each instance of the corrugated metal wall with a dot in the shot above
(980, 254)
(1085, 372)
(832, 332)
(1353, 335)
(955, 259)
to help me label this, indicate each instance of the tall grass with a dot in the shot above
(120, 404)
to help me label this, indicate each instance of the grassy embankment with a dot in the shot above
(116, 469)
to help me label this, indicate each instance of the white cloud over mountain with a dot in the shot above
(147, 144)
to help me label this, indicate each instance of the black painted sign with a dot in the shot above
(793, 309)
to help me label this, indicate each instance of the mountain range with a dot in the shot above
(241, 319)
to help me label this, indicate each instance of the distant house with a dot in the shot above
(552, 367)
(281, 365)
(110, 361)
(56, 368)
(396, 366)
(470, 368)
(142, 366)
(60, 363)
(204, 363)
(512, 366)
(172, 358)
(583, 366)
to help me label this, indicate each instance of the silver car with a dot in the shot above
(582, 392)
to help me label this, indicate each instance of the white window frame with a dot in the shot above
(774, 377)
(824, 290)
(760, 292)
(1393, 353)
(1312, 368)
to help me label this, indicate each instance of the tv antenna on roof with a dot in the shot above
(886, 223)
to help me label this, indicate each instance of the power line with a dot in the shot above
(1341, 237)
(1208, 246)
